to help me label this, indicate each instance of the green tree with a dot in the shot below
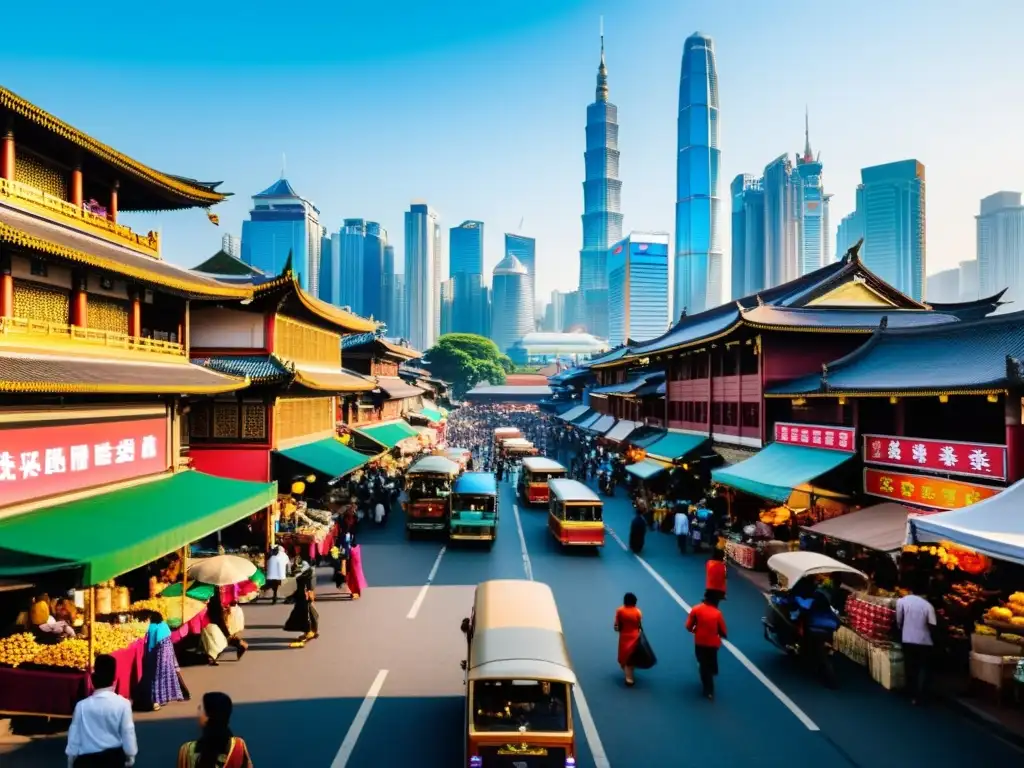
(465, 360)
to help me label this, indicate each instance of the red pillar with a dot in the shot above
(112, 210)
(7, 162)
(79, 302)
(135, 316)
(76, 187)
(6, 284)
(1014, 440)
(711, 389)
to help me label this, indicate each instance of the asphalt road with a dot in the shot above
(383, 686)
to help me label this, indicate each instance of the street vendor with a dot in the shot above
(44, 625)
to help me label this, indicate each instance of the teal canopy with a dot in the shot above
(673, 446)
(431, 414)
(329, 457)
(775, 471)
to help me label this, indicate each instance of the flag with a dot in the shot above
(213, 217)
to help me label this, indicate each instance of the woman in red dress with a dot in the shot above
(627, 624)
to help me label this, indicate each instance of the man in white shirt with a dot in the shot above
(915, 617)
(102, 733)
(681, 527)
(277, 570)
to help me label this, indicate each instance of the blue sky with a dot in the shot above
(479, 108)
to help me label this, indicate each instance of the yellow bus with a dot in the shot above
(533, 480)
(575, 513)
(519, 679)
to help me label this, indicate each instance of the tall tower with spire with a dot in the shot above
(814, 246)
(602, 204)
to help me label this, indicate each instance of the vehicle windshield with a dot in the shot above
(583, 513)
(542, 476)
(512, 705)
(429, 487)
(472, 503)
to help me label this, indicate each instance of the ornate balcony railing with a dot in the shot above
(18, 329)
(28, 197)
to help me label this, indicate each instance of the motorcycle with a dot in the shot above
(800, 619)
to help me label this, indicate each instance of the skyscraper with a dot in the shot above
(329, 287)
(353, 241)
(282, 223)
(780, 227)
(423, 266)
(511, 310)
(466, 265)
(1000, 226)
(399, 310)
(373, 297)
(230, 244)
(387, 284)
(525, 249)
(638, 287)
(748, 254)
(698, 252)
(891, 215)
(447, 303)
(602, 204)
(814, 247)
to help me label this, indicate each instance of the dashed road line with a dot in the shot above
(777, 692)
(359, 721)
(527, 566)
(423, 590)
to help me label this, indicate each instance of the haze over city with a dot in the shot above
(480, 111)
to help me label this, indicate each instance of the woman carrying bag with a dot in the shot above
(634, 650)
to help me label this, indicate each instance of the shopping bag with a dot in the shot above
(642, 656)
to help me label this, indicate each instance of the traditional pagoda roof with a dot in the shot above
(270, 369)
(228, 268)
(631, 386)
(975, 357)
(611, 356)
(971, 310)
(570, 374)
(843, 297)
(372, 345)
(141, 188)
(283, 294)
(396, 389)
(47, 238)
(51, 374)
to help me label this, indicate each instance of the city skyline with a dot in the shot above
(544, 61)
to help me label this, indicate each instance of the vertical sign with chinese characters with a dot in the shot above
(944, 456)
(50, 459)
(817, 436)
(924, 491)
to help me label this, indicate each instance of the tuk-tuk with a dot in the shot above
(533, 480)
(519, 679)
(801, 618)
(460, 456)
(428, 484)
(575, 514)
(473, 511)
(504, 433)
(517, 447)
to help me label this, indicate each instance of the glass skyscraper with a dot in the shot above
(814, 248)
(1001, 246)
(373, 297)
(387, 284)
(748, 254)
(638, 287)
(525, 249)
(602, 204)
(698, 254)
(466, 268)
(780, 229)
(511, 311)
(282, 223)
(423, 268)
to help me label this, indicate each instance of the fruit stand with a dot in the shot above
(306, 530)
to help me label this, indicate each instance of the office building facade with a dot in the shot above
(1000, 246)
(466, 267)
(602, 204)
(231, 245)
(388, 288)
(399, 327)
(423, 275)
(698, 250)
(282, 223)
(373, 296)
(638, 287)
(511, 309)
(814, 234)
(525, 250)
(748, 246)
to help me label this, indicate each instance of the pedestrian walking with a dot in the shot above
(161, 681)
(627, 624)
(304, 617)
(217, 746)
(714, 574)
(707, 625)
(277, 570)
(102, 732)
(637, 533)
(681, 528)
(915, 617)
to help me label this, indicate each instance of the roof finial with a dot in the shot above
(808, 154)
(602, 72)
(284, 164)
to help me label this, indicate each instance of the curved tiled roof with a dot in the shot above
(341, 320)
(260, 369)
(842, 318)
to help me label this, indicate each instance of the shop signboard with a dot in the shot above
(924, 490)
(48, 459)
(817, 436)
(944, 456)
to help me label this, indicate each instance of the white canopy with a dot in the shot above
(646, 469)
(603, 424)
(621, 431)
(993, 527)
(793, 566)
(882, 527)
(574, 413)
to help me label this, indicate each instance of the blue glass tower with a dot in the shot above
(893, 215)
(602, 204)
(281, 223)
(698, 260)
(466, 268)
(638, 287)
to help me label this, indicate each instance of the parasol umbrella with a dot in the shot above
(222, 570)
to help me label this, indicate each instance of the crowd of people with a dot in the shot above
(472, 427)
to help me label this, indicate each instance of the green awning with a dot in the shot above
(432, 414)
(388, 434)
(111, 533)
(775, 471)
(675, 445)
(329, 457)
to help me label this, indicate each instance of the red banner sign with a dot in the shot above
(817, 436)
(925, 491)
(48, 460)
(972, 459)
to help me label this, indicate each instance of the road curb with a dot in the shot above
(982, 718)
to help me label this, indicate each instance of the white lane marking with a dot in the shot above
(740, 656)
(359, 721)
(423, 590)
(590, 729)
(527, 566)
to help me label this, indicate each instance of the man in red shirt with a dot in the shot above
(714, 578)
(708, 627)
